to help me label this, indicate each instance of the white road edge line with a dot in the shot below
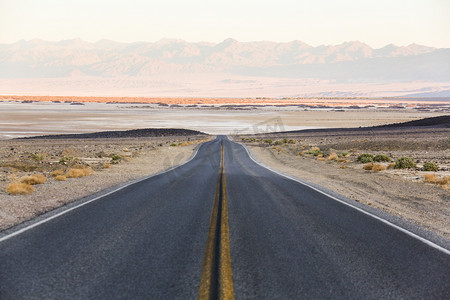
(423, 240)
(4, 238)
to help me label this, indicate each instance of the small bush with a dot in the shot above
(37, 157)
(431, 178)
(77, 173)
(60, 178)
(404, 163)
(67, 159)
(285, 141)
(315, 151)
(278, 143)
(332, 156)
(173, 145)
(33, 179)
(381, 158)
(291, 141)
(268, 141)
(57, 173)
(19, 188)
(368, 166)
(365, 158)
(430, 166)
(344, 154)
(116, 158)
(378, 167)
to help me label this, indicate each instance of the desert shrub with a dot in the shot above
(57, 173)
(77, 173)
(173, 145)
(332, 156)
(365, 158)
(431, 178)
(391, 166)
(67, 159)
(268, 141)
(60, 178)
(278, 143)
(430, 166)
(381, 157)
(116, 158)
(37, 157)
(315, 151)
(19, 188)
(378, 167)
(404, 163)
(344, 154)
(285, 141)
(33, 179)
(368, 166)
(291, 141)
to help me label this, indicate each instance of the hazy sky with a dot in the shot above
(376, 22)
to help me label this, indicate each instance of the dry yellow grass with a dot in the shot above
(19, 188)
(321, 158)
(391, 166)
(33, 179)
(378, 167)
(374, 167)
(368, 166)
(332, 156)
(106, 166)
(444, 181)
(431, 178)
(60, 178)
(343, 167)
(57, 173)
(342, 160)
(77, 173)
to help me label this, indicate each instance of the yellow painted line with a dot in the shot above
(217, 278)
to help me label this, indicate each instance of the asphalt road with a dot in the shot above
(287, 241)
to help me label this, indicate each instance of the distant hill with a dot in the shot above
(135, 133)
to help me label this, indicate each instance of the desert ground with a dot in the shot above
(402, 192)
(75, 168)
(329, 158)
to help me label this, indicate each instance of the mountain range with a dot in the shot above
(346, 63)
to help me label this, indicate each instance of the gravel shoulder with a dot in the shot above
(402, 193)
(140, 157)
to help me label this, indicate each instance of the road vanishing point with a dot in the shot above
(220, 226)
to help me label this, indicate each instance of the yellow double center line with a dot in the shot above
(217, 279)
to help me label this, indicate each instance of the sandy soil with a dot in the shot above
(403, 193)
(140, 157)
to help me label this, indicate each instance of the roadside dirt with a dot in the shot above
(138, 158)
(401, 192)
